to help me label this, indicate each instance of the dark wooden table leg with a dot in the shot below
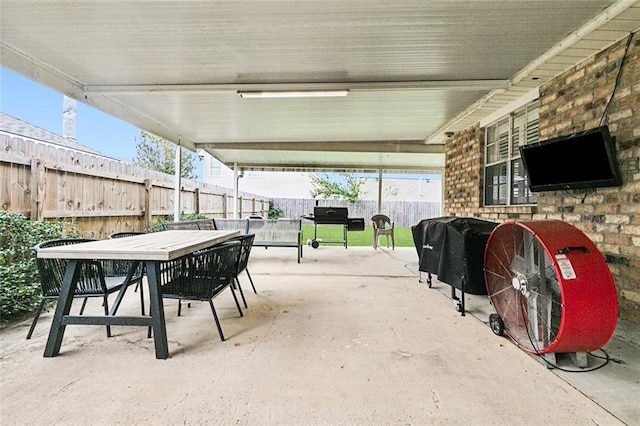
(157, 311)
(56, 333)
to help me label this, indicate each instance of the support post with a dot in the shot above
(177, 195)
(379, 190)
(236, 177)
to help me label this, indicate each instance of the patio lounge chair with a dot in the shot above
(186, 224)
(207, 225)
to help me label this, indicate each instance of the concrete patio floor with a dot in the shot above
(346, 337)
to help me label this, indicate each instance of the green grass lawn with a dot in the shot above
(402, 235)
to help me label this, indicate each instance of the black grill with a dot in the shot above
(330, 215)
(333, 216)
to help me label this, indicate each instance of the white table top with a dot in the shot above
(164, 245)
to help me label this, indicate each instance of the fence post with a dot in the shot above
(148, 188)
(38, 183)
(196, 202)
(224, 205)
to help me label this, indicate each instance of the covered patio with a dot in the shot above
(346, 336)
(366, 343)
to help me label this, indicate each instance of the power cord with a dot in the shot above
(582, 196)
(555, 366)
(605, 114)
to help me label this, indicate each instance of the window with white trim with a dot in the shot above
(215, 168)
(505, 181)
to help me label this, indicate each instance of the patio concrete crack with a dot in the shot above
(45, 409)
(259, 341)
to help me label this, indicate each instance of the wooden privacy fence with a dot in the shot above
(102, 195)
(402, 213)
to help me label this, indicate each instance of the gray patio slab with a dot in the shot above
(348, 336)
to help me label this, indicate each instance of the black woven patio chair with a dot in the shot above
(125, 234)
(97, 279)
(201, 276)
(242, 261)
(121, 267)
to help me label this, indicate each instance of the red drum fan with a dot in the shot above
(550, 287)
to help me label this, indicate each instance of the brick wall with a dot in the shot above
(572, 102)
(463, 172)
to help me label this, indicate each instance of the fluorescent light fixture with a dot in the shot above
(293, 94)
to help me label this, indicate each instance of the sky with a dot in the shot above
(42, 106)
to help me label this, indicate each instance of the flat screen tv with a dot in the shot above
(578, 161)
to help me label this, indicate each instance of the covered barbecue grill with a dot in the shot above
(453, 249)
(334, 216)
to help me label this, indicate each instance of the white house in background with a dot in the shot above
(268, 184)
(427, 187)
(299, 184)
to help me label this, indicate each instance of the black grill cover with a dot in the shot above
(453, 249)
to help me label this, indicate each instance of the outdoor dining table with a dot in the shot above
(152, 249)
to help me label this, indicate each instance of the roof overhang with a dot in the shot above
(414, 70)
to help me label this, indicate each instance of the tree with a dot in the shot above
(348, 187)
(156, 153)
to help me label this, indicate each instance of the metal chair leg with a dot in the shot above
(141, 298)
(241, 292)
(84, 303)
(35, 319)
(236, 300)
(251, 280)
(106, 313)
(215, 317)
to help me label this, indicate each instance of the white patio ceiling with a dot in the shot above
(415, 69)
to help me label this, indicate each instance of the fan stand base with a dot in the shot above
(579, 359)
(550, 359)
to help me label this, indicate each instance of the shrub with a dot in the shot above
(19, 282)
(190, 216)
(274, 211)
